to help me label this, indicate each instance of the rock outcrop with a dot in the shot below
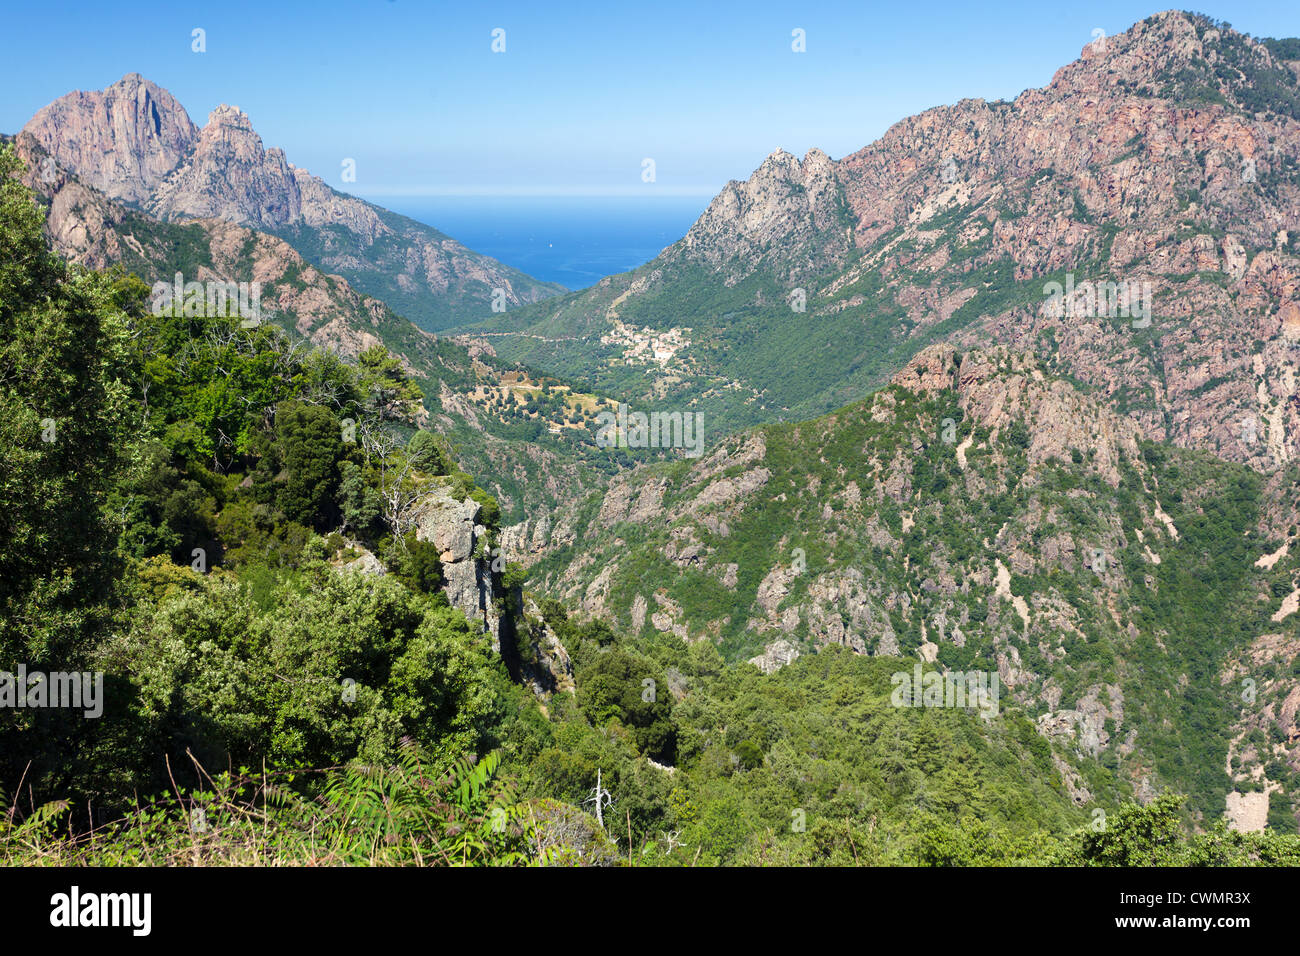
(471, 570)
(469, 580)
(544, 661)
(776, 655)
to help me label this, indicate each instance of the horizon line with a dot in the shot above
(648, 190)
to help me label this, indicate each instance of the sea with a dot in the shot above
(573, 240)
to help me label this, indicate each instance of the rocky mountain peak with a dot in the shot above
(231, 175)
(785, 204)
(233, 116)
(1162, 53)
(814, 161)
(123, 140)
(133, 142)
(780, 163)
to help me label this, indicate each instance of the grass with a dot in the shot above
(401, 815)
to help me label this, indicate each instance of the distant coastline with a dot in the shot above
(573, 240)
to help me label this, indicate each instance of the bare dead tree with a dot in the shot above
(221, 335)
(399, 493)
(291, 352)
(601, 798)
(325, 393)
(376, 440)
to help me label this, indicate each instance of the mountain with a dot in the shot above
(930, 463)
(96, 231)
(1155, 181)
(135, 143)
(979, 512)
(253, 582)
(517, 427)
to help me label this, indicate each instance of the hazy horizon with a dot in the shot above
(573, 240)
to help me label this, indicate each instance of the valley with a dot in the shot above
(1003, 402)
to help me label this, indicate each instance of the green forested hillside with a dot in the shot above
(375, 266)
(199, 512)
(516, 426)
(1010, 525)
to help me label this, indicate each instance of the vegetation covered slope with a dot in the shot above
(181, 494)
(980, 514)
(134, 440)
(530, 434)
(185, 541)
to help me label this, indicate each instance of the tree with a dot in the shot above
(400, 489)
(1133, 835)
(619, 686)
(358, 499)
(428, 453)
(310, 446)
(388, 387)
(417, 565)
(63, 422)
(64, 419)
(342, 668)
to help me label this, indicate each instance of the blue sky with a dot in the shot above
(584, 91)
